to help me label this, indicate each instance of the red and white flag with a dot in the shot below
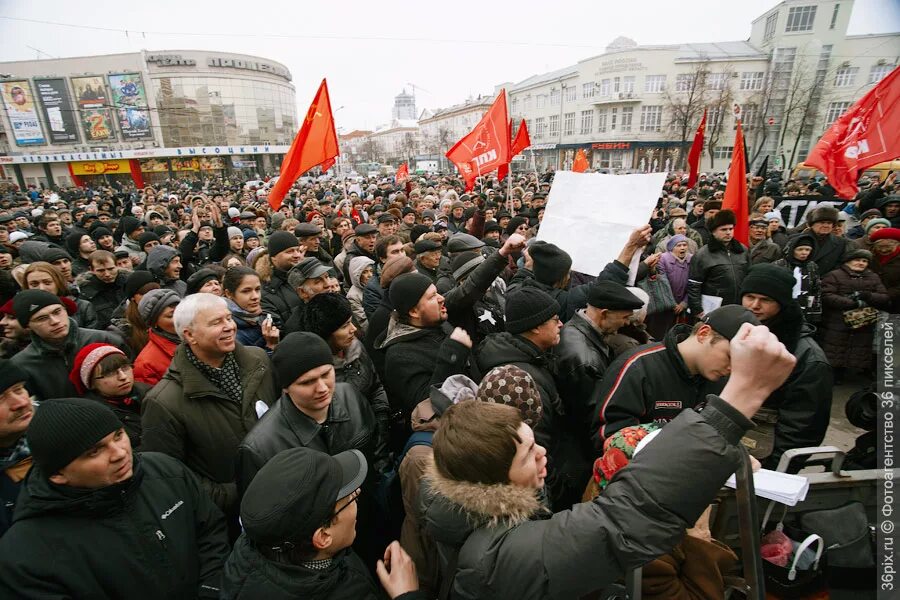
(865, 135)
(486, 147)
(402, 173)
(522, 141)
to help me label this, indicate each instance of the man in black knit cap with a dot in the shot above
(803, 402)
(96, 520)
(279, 299)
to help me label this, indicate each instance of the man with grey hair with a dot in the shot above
(309, 278)
(212, 395)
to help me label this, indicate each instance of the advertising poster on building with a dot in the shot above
(154, 165)
(212, 163)
(91, 96)
(185, 164)
(130, 103)
(59, 113)
(23, 116)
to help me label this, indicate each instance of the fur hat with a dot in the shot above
(720, 219)
(325, 313)
(823, 212)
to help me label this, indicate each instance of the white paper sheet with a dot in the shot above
(781, 487)
(591, 215)
(710, 303)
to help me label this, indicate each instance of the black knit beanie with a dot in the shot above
(551, 263)
(298, 353)
(281, 241)
(136, 280)
(198, 279)
(417, 231)
(514, 224)
(770, 280)
(324, 314)
(129, 224)
(144, 238)
(28, 302)
(10, 375)
(99, 232)
(406, 291)
(64, 428)
(73, 241)
(527, 308)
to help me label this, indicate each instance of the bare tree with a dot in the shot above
(685, 102)
(370, 150)
(720, 105)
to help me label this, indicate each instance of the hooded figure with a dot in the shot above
(158, 260)
(358, 265)
(807, 289)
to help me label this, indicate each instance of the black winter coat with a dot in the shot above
(582, 358)
(105, 297)
(509, 548)
(48, 366)
(842, 289)
(415, 359)
(357, 369)
(565, 439)
(830, 250)
(278, 298)
(249, 576)
(350, 425)
(470, 304)
(157, 535)
(717, 270)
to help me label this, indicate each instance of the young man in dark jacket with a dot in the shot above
(656, 382)
(95, 520)
(482, 502)
(279, 299)
(299, 518)
(718, 268)
(55, 340)
(104, 286)
(803, 402)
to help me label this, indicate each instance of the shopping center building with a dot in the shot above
(636, 107)
(144, 117)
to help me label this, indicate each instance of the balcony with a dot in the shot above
(617, 98)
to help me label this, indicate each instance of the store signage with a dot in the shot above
(611, 146)
(101, 167)
(542, 147)
(145, 153)
(613, 65)
(227, 62)
(171, 60)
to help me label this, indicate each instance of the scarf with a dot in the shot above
(15, 454)
(884, 259)
(166, 335)
(227, 377)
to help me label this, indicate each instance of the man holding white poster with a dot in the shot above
(594, 224)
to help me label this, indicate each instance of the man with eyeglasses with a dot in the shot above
(55, 340)
(299, 516)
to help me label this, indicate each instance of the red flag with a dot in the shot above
(486, 147)
(696, 151)
(402, 173)
(736, 189)
(863, 136)
(521, 142)
(580, 164)
(315, 144)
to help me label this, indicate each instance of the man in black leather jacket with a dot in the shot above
(719, 267)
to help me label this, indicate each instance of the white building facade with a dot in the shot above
(636, 108)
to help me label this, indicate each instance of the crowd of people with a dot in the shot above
(395, 389)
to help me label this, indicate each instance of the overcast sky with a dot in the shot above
(370, 51)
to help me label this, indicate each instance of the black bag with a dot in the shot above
(790, 581)
(661, 297)
(849, 543)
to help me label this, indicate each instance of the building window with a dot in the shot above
(627, 115)
(800, 18)
(834, 16)
(554, 97)
(651, 118)
(628, 85)
(845, 76)
(569, 124)
(835, 110)
(879, 72)
(514, 105)
(601, 120)
(526, 104)
(587, 121)
(717, 81)
(587, 90)
(542, 101)
(604, 87)
(771, 22)
(752, 80)
(722, 152)
(683, 82)
(613, 114)
(540, 127)
(749, 114)
(554, 125)
(803, 146)
(571, 93)
(654, 84)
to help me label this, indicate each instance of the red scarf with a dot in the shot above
(884, 259)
